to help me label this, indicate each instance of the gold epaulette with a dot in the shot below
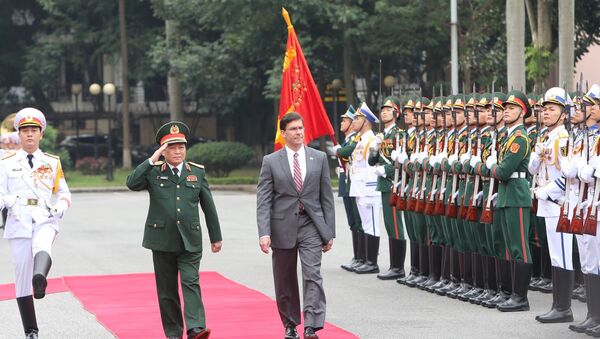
(6, 156)
(158, 163)
(563, 134)
(196, 165)
(357, 138)
(52, 155)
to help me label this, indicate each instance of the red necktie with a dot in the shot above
(298, 176)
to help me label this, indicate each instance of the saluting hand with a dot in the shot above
(216, 246)
(156, 156)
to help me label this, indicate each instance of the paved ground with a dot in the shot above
(102, 235)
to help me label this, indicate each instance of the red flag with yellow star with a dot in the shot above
(299, 92)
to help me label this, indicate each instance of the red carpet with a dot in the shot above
(55, 285)
(128, 307)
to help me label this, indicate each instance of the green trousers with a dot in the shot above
(167, 268)
(515, 226)
(419, 227)
(537, 232)
(392, 218)
(352, 214)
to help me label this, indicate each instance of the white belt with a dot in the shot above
(31, 202)
(517, 175)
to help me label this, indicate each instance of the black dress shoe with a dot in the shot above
(367, 268)
(392, 274)
(32, 334)
(588, 323)
(498, 299)
(545, 288)
(291, 333)
(579, 293)
(174, 337)
(594, 331)
(198, 333)
(309, 333)
(350, 266)
(533, 283)
(515, 303)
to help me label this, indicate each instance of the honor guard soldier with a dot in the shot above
(384, 168)
(172, 230)
(363, 188)
(513, 200)
(589, 245)
(344, 153)
(34, 190)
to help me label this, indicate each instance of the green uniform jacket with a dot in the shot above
(344, 153)
(383, 158)
(173, 221)
(512, 158)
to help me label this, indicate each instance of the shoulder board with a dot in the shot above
(158, 163)
(52, 155)
(357, 138)
(6, 156)
(518, 133)
(563, 134)
(195, 164)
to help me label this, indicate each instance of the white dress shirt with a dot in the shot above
(301, 160)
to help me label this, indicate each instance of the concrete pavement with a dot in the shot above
(102, 234)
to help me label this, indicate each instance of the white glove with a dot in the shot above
(394, 155)
(541, 193)
(491, 161)
(336, 148)
(465, 157)
(59, 208)
(413, 157)
(402, 157)
(455, 195)
(338, 171)
(9, 200)
(595, 162)
(443, 191)
(433, 193)
(443, 155)
(452, 159)
(597, 203)
(475, 160)
(539, 150)
(586, 204)
(586, 174)
(493, 198)
(378, 139)
(479, 197)
(568, 168)
(380, 171)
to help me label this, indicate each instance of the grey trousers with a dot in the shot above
(285, 261)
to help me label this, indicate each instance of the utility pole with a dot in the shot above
(515, 41)
(566, 42)
(173, 83)
(125, 87)
(454, 46)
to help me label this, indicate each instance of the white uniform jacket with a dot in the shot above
(31, 191)
(364, 178)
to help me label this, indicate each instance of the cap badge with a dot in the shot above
(174, 129)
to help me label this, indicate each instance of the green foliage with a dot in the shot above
(48, 144)
(220, 158)
(537, 63)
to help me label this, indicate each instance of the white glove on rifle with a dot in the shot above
(479, 197)
(338, 171)
(59, 208)
(464, 158)
(336, 148)
(402, 157)
(475, 160)
(452, 159)
(9, 200)
(380, 171)
(586, 174)
(491, 161)
(493, 198)
(541, 193)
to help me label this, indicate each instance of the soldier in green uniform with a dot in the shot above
(172, 229)
(344, 153)
(384, 168)
(514, 197)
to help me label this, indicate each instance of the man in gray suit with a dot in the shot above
(296, 217)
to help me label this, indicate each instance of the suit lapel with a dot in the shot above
(310, 166)
(285, 165)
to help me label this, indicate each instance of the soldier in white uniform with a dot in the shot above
(589, 246)
(547, 160)
(34, 190)
(364, 184)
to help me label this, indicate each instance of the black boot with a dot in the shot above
(477, 277)
(423, 266)
(435, 267)
(579, 288)
(361, 250)
(454, 274)
(466, 274)
(536, 269)
(592, 285)
(545, 284)
(503, 282)
(41, 266)
(560, 311)
(349, 266)
(414, 264)
(27, 310)
(396, 270)
(489, 281)
(444, 269)
(370, 266)
(518, 299)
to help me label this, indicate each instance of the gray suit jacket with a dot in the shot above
(278, 200)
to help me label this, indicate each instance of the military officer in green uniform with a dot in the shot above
(384, 168)
(344, 153)
(514, 197)
(172, 229)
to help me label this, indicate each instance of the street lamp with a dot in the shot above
(336, 85)
(109, 90)
(95, 90)
(389, 82)
(76, 91)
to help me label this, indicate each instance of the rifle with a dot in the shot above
(472, 210)
(412, 202)
(421, 198)
(576, 226)
(440, 204)
(430, 203)
(452, 211)
(591, 222)
(464, 205)
(394, 195)
(487, 215)
(401, 200)
(563, 220)
(534, 178)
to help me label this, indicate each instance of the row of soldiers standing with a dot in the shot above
(490, 188)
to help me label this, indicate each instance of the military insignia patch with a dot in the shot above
(174, 129)
(564, 151)
(518, 133)
(514, 148)
(191, 178)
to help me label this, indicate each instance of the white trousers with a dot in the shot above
(369, 209)
(560, 245)
(23, 250)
